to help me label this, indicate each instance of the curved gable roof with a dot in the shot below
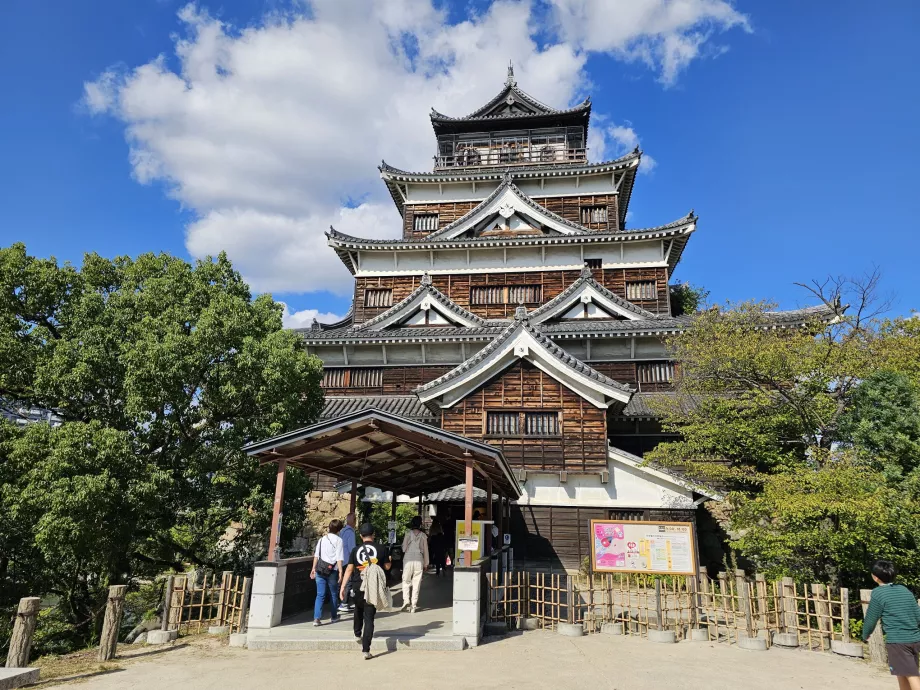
(586, 285)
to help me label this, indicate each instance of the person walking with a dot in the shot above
(415, 562)
(349, 541)
(437, 547)
(366, 578)
(327, 571)
(896, 608)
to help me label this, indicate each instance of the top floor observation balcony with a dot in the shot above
(526, 148)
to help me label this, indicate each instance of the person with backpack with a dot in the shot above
(415, 562)
(896, 608)
(366, 577)
(327, 571)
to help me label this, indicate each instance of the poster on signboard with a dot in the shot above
(643, 547)
(472, 543)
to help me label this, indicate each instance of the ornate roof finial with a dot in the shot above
(520, 313)
(691, 214)
(586, 271)
(510, 81)
(315, 325)
(506, 177)
(426, 279)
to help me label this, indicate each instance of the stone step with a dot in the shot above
(429, 643)
(17, 677)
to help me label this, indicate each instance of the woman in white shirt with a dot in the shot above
(327, 571)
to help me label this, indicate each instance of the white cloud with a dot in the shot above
(273, 132)
(664, 34)
(613, 140)
(304, 318)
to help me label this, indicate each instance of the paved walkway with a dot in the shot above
(532, 660)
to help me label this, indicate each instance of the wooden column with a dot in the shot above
(488, 536)
(108, 640)
(167, 601)
(353, 501)
(274, 544)
(23, 629)
(392, 516)
(468, 508)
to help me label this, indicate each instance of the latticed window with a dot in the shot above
(353, 378)
(593, 214)
(377, 297)
(335, 378)
(641, 289)
(594, 263)
(506, 294)
(627, 515)
(522, 423)
(425, 222)
(656, 372)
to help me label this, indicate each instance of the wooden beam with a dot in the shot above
(327, 441)
(468, 508)
(274, 544)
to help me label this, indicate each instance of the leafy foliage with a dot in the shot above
(687, 298)
(162, 371)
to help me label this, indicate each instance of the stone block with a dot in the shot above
(219, 630)
(570, 629)
(330, 496)
(612, 629)
(698, 635)
(265, 610)
(162, 636)
(852, 649)
(17, 677)
(316, 495)
(466, 585)
(753, 644)
(268, 579)
(238, 639)
(466, 618)
(525, 623)
(786, 639)
(140, 639)
(662, 636)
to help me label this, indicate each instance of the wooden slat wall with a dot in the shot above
(396, 380)
(457, 287)
(559, 535)
(582, 445)
(569, 207)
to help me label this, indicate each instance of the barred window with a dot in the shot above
(425, 222)
(641, 289)
(377, 297)
(522, 423)
(506, 294)
(594, 263)
(657, 372)
(593, 214)
(627, 515)
(353, 378)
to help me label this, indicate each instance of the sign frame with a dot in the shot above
(694, 554)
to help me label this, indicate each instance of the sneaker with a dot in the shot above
(358, 639)
(317, 622)
(335, 620)
(368, 656)
(343, 608)
(412, 609)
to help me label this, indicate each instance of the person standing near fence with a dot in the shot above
(415, 562)
(896, 608)
(349, 541)
(327, 571)
(365, 557)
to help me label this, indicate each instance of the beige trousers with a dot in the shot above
(411, 581)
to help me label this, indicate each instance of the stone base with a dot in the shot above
(754, 644)
(571, 629)
(698, 635)
(662, 636)
(162, 636)
(17, 677)
(525, 623)
(852, 649)
(140, 639)
(786, 640)
(238, 639)
(612, 629)
(219, 630)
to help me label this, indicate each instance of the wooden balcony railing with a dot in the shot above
(524, 155)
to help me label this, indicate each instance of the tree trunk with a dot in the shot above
(24, 628)
(112, 623)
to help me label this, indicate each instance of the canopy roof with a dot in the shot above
(393, 453)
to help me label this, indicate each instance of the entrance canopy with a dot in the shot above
(376, 448)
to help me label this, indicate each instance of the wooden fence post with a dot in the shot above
(694, 602)
(244, 606)
(570, 599)
(823, 614)
(223, 597)
(23, 629)
(877, 652)
(744, 597)
(845, 614)
(790, 608)
(110, 625)
(763, 615)
(659, 617)
(167, 602)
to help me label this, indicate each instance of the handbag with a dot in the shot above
(323, 569)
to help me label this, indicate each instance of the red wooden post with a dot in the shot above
(274, 547)
(468, 507)
(488, 541)
(353, 504)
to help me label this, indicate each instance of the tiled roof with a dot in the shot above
(642, 405)
(458, 493)
(617, 327)
(406, 334)
(588, 279)
(407, 406)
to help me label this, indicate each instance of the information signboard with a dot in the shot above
(643, 547)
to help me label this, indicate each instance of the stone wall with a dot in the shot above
(322, 507)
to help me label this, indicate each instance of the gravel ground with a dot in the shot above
(530, 660)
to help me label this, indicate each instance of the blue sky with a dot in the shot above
(789, 127)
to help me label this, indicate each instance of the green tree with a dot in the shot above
(687, 298)
(161, 370)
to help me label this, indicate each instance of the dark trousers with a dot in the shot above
(364, 620)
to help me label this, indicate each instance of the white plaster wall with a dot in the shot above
(642, 251)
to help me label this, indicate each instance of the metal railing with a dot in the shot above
(509, 155)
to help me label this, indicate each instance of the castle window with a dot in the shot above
(626, 515)
(352, 378)
(519, 423)
(506, 294)
(642, 289)
(656, 372)
(593, 214)
(593, 263)
(378, 297)
(425, 222)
